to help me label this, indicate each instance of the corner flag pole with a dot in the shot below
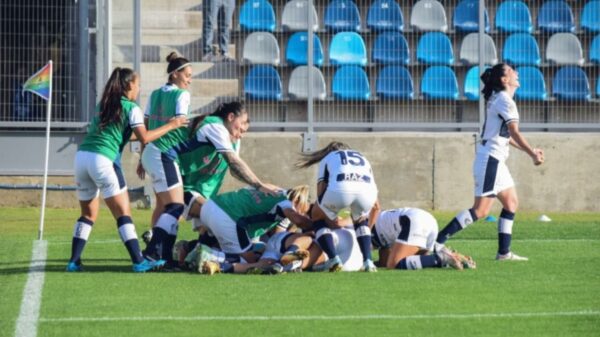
(48, 119)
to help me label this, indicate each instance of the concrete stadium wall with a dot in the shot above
(427, 170)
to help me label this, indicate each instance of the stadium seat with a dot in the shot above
(564, 48)
(472, 84)
(469, 51)
(532, 86)
(263, 83)
(513, 16)
(296, 52)
(466, 17)
(590, 16)
(571, 84)
(347, 48)
(295, 16)
(435, 48)
(521, 49)
(342, 15)
(439, 82)
(556, 16)
(595, 50)
(351, 83)
(394, 82)
(390, 48)
(598, 87)
(298, 86)
(261, 48)
(385, 15)
(428, 15)
(257, 15)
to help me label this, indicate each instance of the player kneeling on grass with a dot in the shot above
(345, 181)
(234, 218)
(405, 237)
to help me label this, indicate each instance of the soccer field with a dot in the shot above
(556, 293)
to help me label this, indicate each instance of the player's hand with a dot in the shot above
(141, 173)
(179, 121)
(270, 189)
(539, 157)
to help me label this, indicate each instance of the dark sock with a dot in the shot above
(325, 241)
(426, 261)
(505, 223)
(226, 267)
(363, 236)
(158, 237)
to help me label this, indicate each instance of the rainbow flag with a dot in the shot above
(39, 83)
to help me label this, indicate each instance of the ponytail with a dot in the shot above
(222, 111)
(308, 159)
(492, 80)
(116, 87)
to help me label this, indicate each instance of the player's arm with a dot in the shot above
(374, 213)
(241, 171)
(298, 219)
(518, 141)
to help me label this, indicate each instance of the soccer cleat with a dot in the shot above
(510, 256)
(73, 267)
(467, 261)
(332, 265)
(147, 265)
(171, 267)
(289, 257)
(273, 269)
(204, 254)
(147, 236)
(449, 258)
(369, 267)
(293, 267)
(209, 268)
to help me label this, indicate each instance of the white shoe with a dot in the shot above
(209, 57)
(510, 256)
(369, 267)
(449, 259)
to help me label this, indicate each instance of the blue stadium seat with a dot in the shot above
(351, 83)
(298, 86)
(347, 48)
(427, 15)
(261, 48)
(556, 16)
(595, 50)
(564, 48)
(532, 86)
(472, 84)
(514, 16)
(296, 52)
(263, 83)
(598, 87)
(394, 82)
(385, 15)
(390, 48)
(590, 16)
(439, 82)
(466, 17)
(571, 84)
(469, 50)
(257, 15)
(342, 15)
(521, 49)
(295, 16)
(435, 48)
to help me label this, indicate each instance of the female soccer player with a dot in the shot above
(492, 177)
(97, 165)
(345, 181)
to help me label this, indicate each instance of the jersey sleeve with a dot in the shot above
(136, 117)
(217, 135)
(183, 104)
(507, 109)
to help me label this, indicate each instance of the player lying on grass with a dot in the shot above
(405, 238)
(345, 181)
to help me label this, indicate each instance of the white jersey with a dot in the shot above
(346, 170)
(411, 226)
(501, 111)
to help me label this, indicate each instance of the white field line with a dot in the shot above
(32, 294)
(324, 317)
(115, 241)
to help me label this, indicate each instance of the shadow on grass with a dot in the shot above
(59, 265)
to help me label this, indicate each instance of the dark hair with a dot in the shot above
(310, 158)
(492, 80)
(117, 86)
(222, 111)
(176, 61)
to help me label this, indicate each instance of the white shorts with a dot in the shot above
(491, 176)
(93, 173)
(224, 229)
(360, 203)
(421, 231)
(163, 171)
(276, 246)
(347, 248)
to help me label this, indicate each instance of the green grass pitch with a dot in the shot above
(556, 293)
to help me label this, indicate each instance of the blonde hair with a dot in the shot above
(311, 158)
(299, 196)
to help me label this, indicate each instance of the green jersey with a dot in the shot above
(255, 211)
(201, 162)
(162, 107)
(110, 140)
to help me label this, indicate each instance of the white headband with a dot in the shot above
(180, 67)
